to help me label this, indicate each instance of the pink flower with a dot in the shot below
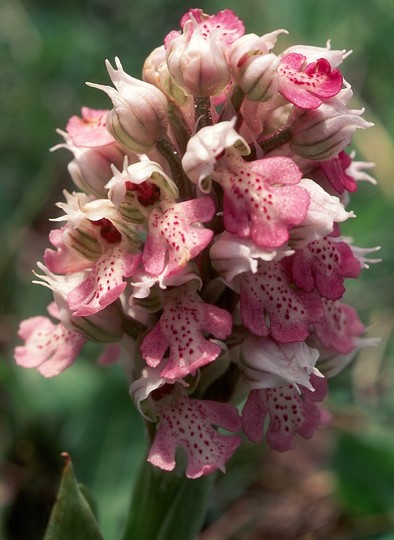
(338, 327)
(90, 131)
(138, 186)
(206, 147)
(197, 59)
(105, 281)
(175, 235)
(267, 364)
(231, 255)
(343, 173)
(324, 264)
(66, 259)
(324, 211)
(270, 293)
(225, 24)
(181, 328)
(261, 198)
(50, 348)
(307, 86)
(254, 69)
(189, 423)
(289, 413)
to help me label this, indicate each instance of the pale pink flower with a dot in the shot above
(197, 59)
(262, 198)
(322, 133)
(225, 24)
(144, 183)
(188, 423)
(105, 282)
(324, 211)
(50, 348)
(175, 234)
(206, 146)
(267, 364)
(181, 328)
(155, 71)
(90, 131)
(258, 76)
(231, 255)
(105, 326)
(334, 56)
(65, 259)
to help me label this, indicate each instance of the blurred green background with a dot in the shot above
(340, 485)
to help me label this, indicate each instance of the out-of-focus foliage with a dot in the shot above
(47, 51)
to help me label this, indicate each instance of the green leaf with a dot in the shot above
(365, 470)
(72, 515)
(167, 505)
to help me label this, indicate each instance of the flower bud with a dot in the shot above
(253, 68)
(139, 117)
(91, 169)
(322, 133)
(155, 71)
(198, 64)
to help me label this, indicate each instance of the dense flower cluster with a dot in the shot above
(203, 248)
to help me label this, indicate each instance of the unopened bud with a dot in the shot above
(253, 68)
(198, 64)
(155, 71)
(139, 117)
(322, 133)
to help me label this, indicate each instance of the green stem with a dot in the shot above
(202, 112)
(280, 137)
(183, 183)
(181, 129)
(167, 505)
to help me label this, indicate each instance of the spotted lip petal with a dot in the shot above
(338, 327)
(270, 293)
(188, 423)
(261, 198)
(175, 235)
(181, 328)
(50, 348)
(324, 264)
(289, 413)
(307, 86)
(226, 25)
(105, 282)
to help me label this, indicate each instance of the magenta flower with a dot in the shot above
(270, 293)
(307, 86)
(181, 328)
(338, 327)
(289, 413)
(188, 423)
(324, 264)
